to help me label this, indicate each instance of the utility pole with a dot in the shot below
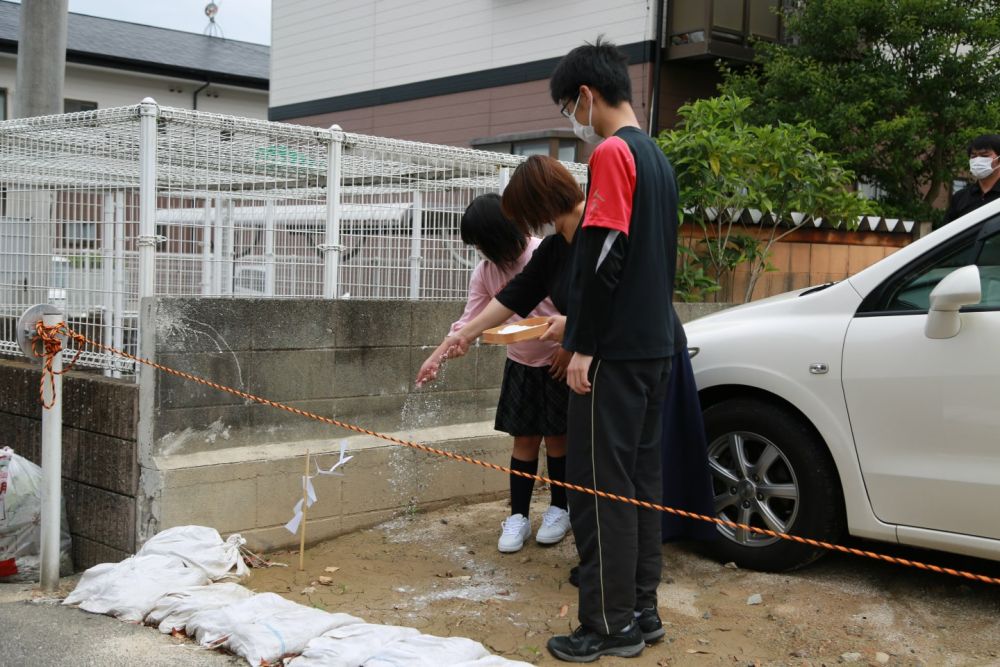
(41, 58)
(41, 72)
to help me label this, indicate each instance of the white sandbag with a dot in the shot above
(201, 547)
(493, 661)
(20, 521)
(263, 628)
(427, 651)
(172, 611)
(129, 589)
(350, 645)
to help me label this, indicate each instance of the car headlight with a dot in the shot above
(693, 352)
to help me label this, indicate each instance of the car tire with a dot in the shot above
(787, 458)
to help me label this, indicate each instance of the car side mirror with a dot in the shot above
(961, 287)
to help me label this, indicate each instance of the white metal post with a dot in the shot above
(269, 247)
(217, 246)
(148, 113)
(118, 326)
(504, 179)
(206, 250)
(107, 270)
(51, 469)
(416, 243)
(228, 266)
(331, 245)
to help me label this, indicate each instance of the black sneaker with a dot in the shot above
(574, 575)
(650, 625)
(587, 646)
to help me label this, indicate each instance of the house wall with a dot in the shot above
(113, 88)
(327, 48)
(458, 118)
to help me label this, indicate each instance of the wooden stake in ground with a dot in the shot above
(305, 505)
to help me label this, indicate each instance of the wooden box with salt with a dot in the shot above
(527, 329)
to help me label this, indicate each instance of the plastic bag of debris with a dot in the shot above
(172, 612)
(20, 521)
(350, 644)
(130, 589)
(201, 548)
(264, 628)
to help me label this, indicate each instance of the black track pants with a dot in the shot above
(614, 446)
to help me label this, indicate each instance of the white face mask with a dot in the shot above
(981, 167)
(585, 132)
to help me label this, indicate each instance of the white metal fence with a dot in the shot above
(104, 207)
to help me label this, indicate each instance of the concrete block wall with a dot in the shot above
(351, 360)
(140, 457)
(215, 458)
(100, 457)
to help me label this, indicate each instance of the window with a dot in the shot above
(910, 291)
(559, 144)
(76, 234)
(539, 147)
(3, 104)
(73, 106)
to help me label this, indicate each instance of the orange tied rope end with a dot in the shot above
(48, 344)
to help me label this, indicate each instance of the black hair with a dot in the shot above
(484, 226)
(985, 142)
(601, 65)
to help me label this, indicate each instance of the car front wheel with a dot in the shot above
(770, 470)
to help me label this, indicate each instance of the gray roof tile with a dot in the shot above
(161, 49)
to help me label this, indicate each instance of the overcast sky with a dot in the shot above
(245, 20)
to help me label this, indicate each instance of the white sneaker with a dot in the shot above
(555, 525)
(516, 529)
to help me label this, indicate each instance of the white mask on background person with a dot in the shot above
(981, 167)
(585, 132)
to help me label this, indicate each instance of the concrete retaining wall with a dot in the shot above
(100, 456)
(164, 452)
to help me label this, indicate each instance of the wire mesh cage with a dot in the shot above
(104, 207)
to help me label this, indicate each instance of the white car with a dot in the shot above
(869, 407)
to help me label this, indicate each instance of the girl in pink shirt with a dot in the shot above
(533, 397)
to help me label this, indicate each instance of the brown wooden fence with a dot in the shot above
(807, 257)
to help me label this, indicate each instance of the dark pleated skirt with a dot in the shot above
(531, 402)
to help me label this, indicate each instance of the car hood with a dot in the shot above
(809, 300)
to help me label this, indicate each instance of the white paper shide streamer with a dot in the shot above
(293, 525)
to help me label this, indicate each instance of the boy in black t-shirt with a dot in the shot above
(620, 328)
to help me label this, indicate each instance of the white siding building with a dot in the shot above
(476, 72)
(114, 63)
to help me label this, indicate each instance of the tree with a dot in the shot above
(729, 170)
(898, 87)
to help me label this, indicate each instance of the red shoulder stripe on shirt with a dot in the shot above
(612, 185)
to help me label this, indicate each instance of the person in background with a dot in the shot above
(533, 398)
(984, 166)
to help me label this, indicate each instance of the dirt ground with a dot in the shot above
(440, 572)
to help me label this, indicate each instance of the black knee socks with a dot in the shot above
(557, 471)
(521, 487)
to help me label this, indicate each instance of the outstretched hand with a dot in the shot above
(429, 370)
(456, 346)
